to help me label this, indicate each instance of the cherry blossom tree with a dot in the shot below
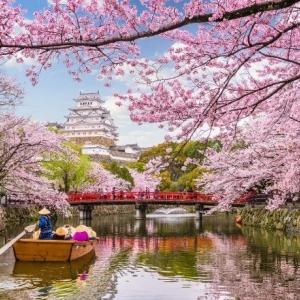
(11, 93)
(103, 180)
(266, 151)
(227, 59)
(23, 146)
(144, 180)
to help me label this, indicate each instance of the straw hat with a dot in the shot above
(61, 231)
(44, 211)
(81, 228)
(92, 234)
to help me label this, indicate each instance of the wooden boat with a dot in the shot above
(51, 250)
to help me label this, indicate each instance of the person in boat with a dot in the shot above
(81, 234)
(92, 234)
(71, 230)
(61, 233)
(45, 224)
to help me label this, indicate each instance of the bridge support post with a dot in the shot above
(85, 212)
(140, 211)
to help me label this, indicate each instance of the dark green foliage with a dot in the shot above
(69, 172)
(181, 177)
(119, 171)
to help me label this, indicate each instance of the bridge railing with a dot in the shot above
(110, 196)
(258, 199)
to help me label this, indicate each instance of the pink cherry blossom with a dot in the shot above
(101, 179)
(24, 146)
(227, 61)
(144, 180)
(266, 149)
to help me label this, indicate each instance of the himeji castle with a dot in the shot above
(91, 125)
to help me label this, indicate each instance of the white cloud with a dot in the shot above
(145, 135)
(118, 113)
(61, 2)
(20, 62)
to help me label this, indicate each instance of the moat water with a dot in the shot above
(164, 258)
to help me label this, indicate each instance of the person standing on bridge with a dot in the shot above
(113, 194)
(195, 195)
(100, 192)
(147, 193)
(141, 194)
(105, 194)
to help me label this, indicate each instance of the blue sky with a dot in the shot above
(50, 99)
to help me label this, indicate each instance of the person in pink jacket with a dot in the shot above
(81, 234)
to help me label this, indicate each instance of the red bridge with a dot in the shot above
(202, 202)
(121, 198)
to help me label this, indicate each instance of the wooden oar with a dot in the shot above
(29, 228)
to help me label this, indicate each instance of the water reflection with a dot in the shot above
(39, 274)
(166, 258)
(254, 271)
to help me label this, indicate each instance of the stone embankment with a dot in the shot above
(30, 213)
(17, 215)
(113, 210)
(286, 219)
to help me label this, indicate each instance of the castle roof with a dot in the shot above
(89, 96)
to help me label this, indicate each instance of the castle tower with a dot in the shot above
(90, 123)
